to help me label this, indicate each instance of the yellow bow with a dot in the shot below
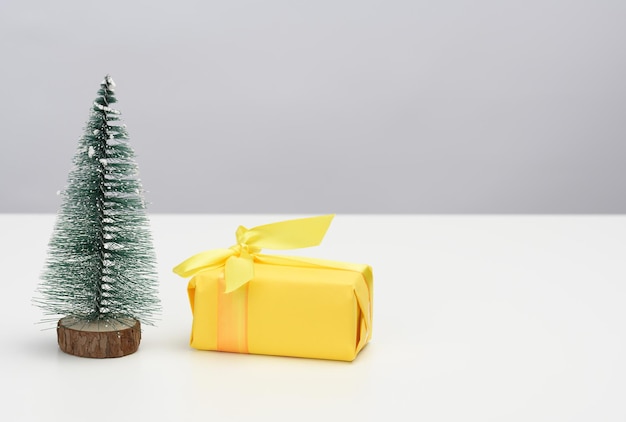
(238, 260)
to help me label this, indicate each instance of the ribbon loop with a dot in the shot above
(203, 261)
(238, 260)
(289, 234)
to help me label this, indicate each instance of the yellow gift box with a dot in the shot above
(247, 302)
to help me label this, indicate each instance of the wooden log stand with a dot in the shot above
(110, 338)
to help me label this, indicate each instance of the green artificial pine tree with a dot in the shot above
(100, 273)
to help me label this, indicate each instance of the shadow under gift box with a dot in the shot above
(311, 310)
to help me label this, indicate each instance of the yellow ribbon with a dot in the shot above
(238, 260)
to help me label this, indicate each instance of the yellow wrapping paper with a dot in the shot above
(247, 302)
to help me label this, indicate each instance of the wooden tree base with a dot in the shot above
(112, 338)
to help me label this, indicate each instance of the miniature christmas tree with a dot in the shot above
(100, 273)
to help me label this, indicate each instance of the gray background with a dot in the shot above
(325, 106)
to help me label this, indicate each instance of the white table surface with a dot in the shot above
(476, 318)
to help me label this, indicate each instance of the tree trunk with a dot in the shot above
(110, 338)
